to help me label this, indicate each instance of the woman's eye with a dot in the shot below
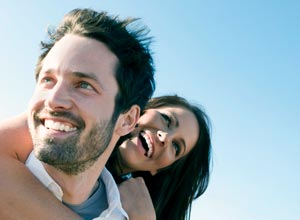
(167, 119)
(177, 148)
(84, 85)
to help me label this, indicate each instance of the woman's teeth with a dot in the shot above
(149, 145)
(58, 126)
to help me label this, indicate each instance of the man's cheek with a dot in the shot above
(38, 97)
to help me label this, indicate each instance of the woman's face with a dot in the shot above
(161, 137)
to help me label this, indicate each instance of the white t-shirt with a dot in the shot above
(114, 210)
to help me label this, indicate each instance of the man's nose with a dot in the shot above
(59, 97)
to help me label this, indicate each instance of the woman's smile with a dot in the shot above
(147, 143)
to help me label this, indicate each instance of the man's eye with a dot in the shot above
(166, 118)
(84, 85)
(47, 81)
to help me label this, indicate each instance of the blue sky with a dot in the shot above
(238, 59)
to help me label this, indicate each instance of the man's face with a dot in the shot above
(70, 113)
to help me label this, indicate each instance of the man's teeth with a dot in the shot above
(149, 144)
(58, 126)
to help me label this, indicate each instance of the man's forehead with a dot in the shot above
(81, 54)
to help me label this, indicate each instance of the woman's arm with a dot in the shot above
(22, 195)
(15, 138)
(136, 199)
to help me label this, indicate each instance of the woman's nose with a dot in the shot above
(162, 137)
(58, 97)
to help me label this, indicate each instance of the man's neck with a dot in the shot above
(77, 188)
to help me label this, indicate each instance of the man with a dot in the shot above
(93, 78)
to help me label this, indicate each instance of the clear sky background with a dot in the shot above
(239, 59)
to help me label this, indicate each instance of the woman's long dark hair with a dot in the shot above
(174, 188)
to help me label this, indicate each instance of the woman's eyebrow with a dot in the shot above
(176, 125)
(176, 122)
(183, 144)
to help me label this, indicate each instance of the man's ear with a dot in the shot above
(127, 121)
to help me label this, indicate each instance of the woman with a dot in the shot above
(170, 148)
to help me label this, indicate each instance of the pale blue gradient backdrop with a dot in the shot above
(238, 59)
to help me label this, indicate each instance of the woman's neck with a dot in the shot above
(120, 167)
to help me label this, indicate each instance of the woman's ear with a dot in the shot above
(127, 121)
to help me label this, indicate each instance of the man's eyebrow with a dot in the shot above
(85, 75)
(91, 76)
(78, 74)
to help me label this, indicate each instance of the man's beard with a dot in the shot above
(74, 155)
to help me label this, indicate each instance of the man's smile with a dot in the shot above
(59, 126)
